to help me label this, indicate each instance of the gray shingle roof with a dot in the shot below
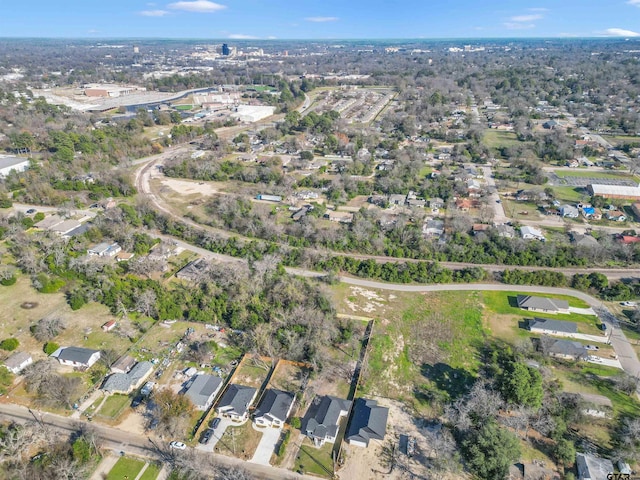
(553, 325)
(369, 421)
(202, 388)
(322, 417)
(76, 354)
(542, 303)
(567, 347)
(275, 404)
(122, 382)
(238, 397)
(592, 467)
(17, 359)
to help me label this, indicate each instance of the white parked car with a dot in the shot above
(177, 445)
(591, 347)
(629, 304)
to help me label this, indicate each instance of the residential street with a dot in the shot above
(131, 443)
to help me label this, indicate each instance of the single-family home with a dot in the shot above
(436, 202)
(368, 422)
(506, 231)
(615, 216)
(480, 228)
(76, 356)
(18, 361)
(473, 187)
(573, 163)
(569, 211)
(125, 383)
(340, 217)
(433, 228)
(235, 402)
(202, 389)
(104, 249)
(542, 304)
(567, 350)
(464, 204)
(531, 233)
(397, 199)
(546, 326)
(585, 241)
(123, 365)
(322, 421)
(628, 239)
(274, 408)
(635, 208)
(591, 467)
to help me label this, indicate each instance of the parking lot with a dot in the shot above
(573, 181)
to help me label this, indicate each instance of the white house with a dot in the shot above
(76, 356)
(569, 211)
(531, 233)
(236, 401)
(274, 408)
(104, 250)
(18, 361)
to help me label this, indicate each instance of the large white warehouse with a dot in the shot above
(252, 113)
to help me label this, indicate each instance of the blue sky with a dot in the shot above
(319, 19)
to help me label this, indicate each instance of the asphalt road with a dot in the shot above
(498, 210)
(131, 443)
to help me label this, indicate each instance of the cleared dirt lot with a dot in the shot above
(187, 187)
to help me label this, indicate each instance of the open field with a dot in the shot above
(497, 138)
(570, 194)
(429, 340)
(618, 140)
(240, 442)
(288, 376)
(125, 467)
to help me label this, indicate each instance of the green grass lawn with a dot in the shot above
(114, 405)
(497, 138)
(428, 339)
(570, 194)
(520, 210)
(151, 473)
(316, 461)
(125, 467)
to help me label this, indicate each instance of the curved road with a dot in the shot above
(142, 183)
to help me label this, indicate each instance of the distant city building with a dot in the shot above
(226, 51)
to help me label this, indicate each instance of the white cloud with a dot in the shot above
(154, 13)
(635, 3)
(241, 36)
(619, 32)
(200, 6)
(321, 19)
(526, 18)
(272, 37)
(518, 26)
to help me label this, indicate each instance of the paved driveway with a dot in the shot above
(267, 445)
(217, 435)
(604, 361)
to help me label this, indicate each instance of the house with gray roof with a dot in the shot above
(18, 362)
(274, 408)
(202, 389)
(236, 401)
(127, 382)
(591, 467)
(123, 364)
(568, 350)
(368, 422)
(546, 326)
(542, 304)
(76, 356)
(322, 421)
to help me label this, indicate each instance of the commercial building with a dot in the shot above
(614, 191)
(252, 113)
